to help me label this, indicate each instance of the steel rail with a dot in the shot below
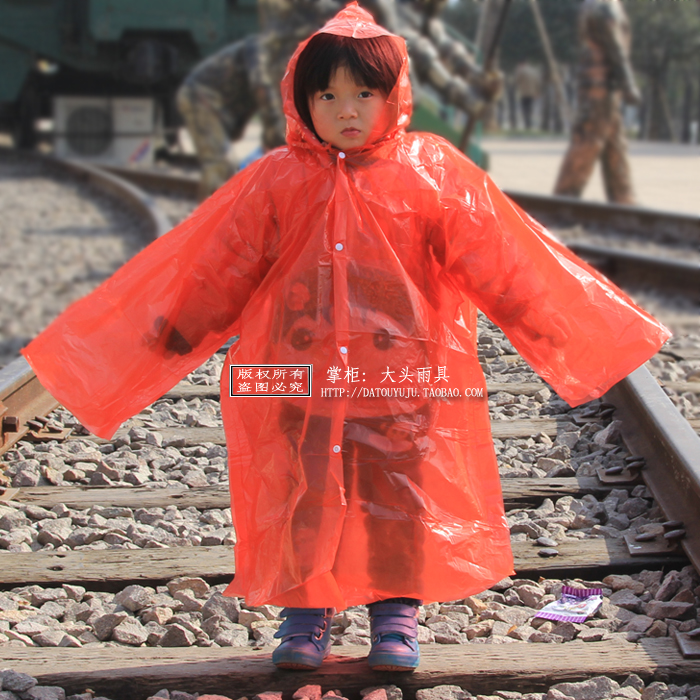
(653, 428)
(22, 397)
(628, 267)
(563, 211)
(179, 185)
(623, 266)
(108, 183)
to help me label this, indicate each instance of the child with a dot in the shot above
(359, 249)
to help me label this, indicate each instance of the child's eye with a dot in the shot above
(366, 93)
(326, 96)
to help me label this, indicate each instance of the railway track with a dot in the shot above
(568, 477)
(680, 273)
(81, 201)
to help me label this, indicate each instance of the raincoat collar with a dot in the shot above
(351, 21)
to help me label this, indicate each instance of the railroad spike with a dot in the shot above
(611, 471)
(10, 424)
(672, 525)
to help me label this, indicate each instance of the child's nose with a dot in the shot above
(347, 110)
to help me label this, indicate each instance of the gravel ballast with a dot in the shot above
(190, 612)
(24, 687)
(59, 240)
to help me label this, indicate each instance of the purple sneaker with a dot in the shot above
(306, 638)
(394, 631)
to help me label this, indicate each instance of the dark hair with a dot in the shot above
(374, 62)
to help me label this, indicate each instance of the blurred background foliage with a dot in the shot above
(665, 54)
(520, 38)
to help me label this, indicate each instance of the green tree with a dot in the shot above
(520, 38)
(666, 47)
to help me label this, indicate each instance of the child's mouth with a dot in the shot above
(350, 131)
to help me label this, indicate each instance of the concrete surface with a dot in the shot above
(665, 175)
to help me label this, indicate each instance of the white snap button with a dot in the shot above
(338, 246)
(336, 448)
(343, 350)
(341, 155)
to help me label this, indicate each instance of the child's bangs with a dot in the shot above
(373, 62)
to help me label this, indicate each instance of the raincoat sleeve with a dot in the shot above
(161, 314)
(575, 328)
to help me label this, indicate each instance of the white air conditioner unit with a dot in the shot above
(116, 130)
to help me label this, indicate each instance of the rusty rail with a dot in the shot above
(563, 211)
(653, 428)
(623, 266)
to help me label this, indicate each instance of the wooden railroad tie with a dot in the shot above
(500, 429)
(113, 569)
(517, 493)
(125, 673)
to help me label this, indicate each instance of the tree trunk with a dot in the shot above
(487, 28)
(687, 107)
(697, 113)
(556, 85)
(512, 104)
(644, 110)
(670, 127)
(557, 122)
(546, 102)
(488, 22)
(654, 128)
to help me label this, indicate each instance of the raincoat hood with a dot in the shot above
(352, 21)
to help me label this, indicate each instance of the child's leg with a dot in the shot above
(307, 519)
(306, 631)
(382, 468)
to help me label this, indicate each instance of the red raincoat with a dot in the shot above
(367, 265)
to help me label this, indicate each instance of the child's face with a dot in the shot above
(345, 113)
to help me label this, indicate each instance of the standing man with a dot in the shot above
(605, 79)
(528, 84)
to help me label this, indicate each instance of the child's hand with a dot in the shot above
(555, 328)
(174, 343)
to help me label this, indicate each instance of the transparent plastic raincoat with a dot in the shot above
(368, 265)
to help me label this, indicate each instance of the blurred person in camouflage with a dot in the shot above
(437, 60)
(605, 79)
(220, 95)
